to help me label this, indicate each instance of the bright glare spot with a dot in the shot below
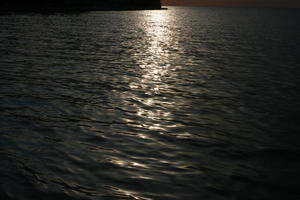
(129, 164)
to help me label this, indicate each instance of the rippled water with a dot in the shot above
(185, 103)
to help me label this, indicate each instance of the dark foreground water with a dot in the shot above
(185, 103)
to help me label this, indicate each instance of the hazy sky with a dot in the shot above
(251, 3)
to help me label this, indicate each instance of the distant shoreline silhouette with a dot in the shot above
(76, 5)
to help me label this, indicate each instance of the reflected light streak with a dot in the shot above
(154, 61)
(127, 193)
(128, 164)
(155, 64)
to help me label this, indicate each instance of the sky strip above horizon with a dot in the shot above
(240, 3)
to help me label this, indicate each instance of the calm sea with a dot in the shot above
(185, 103)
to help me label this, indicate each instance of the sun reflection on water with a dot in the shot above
(127, 164)
(154, 68)
(126, 194)
(156, 63)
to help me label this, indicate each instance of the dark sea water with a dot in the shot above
(185, 103)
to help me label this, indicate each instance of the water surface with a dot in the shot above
(185, 103)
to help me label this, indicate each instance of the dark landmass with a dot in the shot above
(76, 5)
